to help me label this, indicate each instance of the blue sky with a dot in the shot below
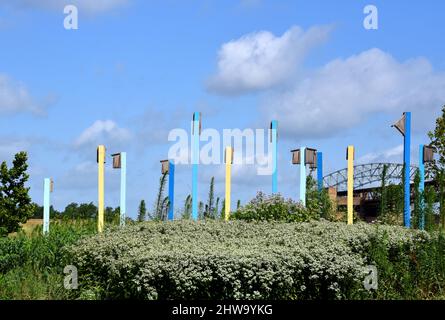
(136, 69)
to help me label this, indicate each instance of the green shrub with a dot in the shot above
(272, 208)
(256, 260)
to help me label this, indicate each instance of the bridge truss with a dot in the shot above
(367, 175)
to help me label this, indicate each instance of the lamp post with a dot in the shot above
(273, 140)
(426, 154)
(304, 156)
(120, 162)
(168, 167)
(350, 193)
(48, 187)
(404, 127)
(228, 159)
(100, 187)
(196, 132)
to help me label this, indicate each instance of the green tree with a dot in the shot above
(383, 192)
(437, 167)
(417, 199)
(187, 208)
(142, 211)
(160, 200)
(15, 203)
(208, 213)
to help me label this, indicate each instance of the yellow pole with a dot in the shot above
(100, 190)
(350, 184)
(228, 159)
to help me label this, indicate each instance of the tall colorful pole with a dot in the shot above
(195, 160)
(228, 160)
(407, 161)
(171, 190)
(46, 203)
(421, 186)
(100, 187)
(123, 205)
(320, 171)
(274, 136)
(303, 175)
(350, 200)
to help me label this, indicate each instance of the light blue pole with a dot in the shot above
(407, 162)
(171, 190)
(195, 161)
(303, 176)
(421, 186)
(320, 171)
(46, 204)
(274, 156)
(123, 206)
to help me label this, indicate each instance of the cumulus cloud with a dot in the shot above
(87, 6)
(262, 60)
(15, 97)
(343, 93)
(393, 154)
(103, 131)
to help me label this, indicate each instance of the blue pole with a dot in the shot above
(171, 190)
(320, 171)
(407, 162)
(46, 204)
(274, 156)
(421, 186)
(303, 176)
(195, 161)
(123, 206)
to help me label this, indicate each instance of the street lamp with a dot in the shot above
(120, 162)
(168, 167)
(304, 156)
(404, 127)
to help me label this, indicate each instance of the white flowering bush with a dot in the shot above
(236, 260)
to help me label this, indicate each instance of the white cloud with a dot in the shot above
(344, 93)
(262, 60)
(389, 155)
(103, 131)
(15, 97)
(87, 6)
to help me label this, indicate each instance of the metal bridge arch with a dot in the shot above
(367, 174)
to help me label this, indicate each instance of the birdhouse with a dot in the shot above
(310, 157)
(116, 160)
(200, 123)
(164, 166)
(428, 154)
(225, 156)
(51, 185)
(400, 125)
(295, 156)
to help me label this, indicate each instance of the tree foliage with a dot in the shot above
(15, 203)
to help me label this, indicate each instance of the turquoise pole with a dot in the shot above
(195, 161)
